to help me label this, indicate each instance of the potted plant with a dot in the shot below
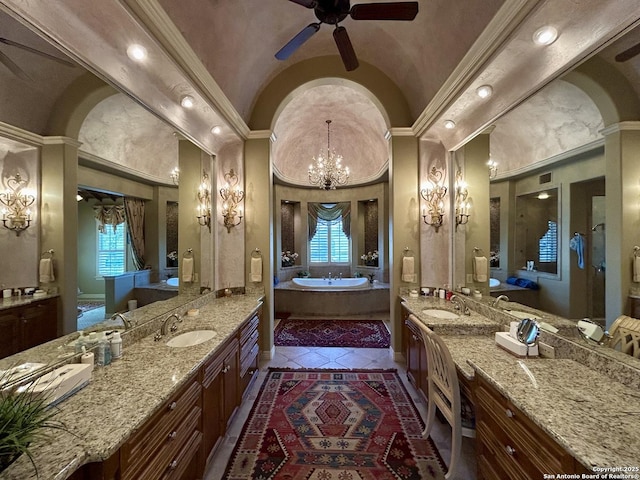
(370, 258)
(24, 419)
(288, 259)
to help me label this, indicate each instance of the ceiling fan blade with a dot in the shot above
(345, 48)
(628, 54)
(37, 52)
(15, 69)
(306, 3)
(305, 34)
(385, 11)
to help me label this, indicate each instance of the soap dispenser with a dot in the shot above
(104, 350)
(116, 346)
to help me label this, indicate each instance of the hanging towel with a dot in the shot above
(46, 271)
(187, 270)
(636, 268)
(577, 244)
(408, 270)
(256, 269)
(480, 265)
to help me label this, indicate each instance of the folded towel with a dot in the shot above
(636, 269)
(46, 271)
(577, 243)
(187, 270)
(408, 270)
(480, 269)
(256, 269)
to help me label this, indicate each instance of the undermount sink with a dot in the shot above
(189, 339)
(435, 312)
(522, 315)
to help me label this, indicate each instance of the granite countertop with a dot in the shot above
(591, 416)
(123, 395)
(17, 301)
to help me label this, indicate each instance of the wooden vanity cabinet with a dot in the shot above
(168, 445)
(416, 356)
(249, 351)
(28, 325)
(510, 445)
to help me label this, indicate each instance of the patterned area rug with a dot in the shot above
(334, 425)
(332, 333)
(86, 305)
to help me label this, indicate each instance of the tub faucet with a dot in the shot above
(125, 320)
(497, 300)
(460, 304)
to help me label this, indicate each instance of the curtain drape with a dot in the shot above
(134, 208)
(109, 215)
(329, 212)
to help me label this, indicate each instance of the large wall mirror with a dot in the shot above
(537, 227)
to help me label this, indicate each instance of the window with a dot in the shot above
(329, 244)
(548, 245)
(111, 256)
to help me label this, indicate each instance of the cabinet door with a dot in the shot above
(212, 404)
(39, 323)
(231, 391)
(10, 337)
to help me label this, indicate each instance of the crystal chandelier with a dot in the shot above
(327, 171)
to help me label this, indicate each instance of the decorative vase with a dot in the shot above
(290, 263)
(371, 263)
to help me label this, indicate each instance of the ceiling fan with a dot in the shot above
(333, 12)
(15, 68)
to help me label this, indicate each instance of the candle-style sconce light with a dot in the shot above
(433, 193)
(493, 168)
(204, 199)
(231, 195)
(462, 204)
(16, 200)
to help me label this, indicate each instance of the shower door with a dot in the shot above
(598, 265)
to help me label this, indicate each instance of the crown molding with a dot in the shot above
(620, 127)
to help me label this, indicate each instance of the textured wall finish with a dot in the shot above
(172, 232)
(287, 229)
(370, 226)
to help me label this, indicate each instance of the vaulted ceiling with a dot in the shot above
(222, 53)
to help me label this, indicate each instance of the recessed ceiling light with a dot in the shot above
(484, 91)
(449, 124)
(543, 196)
(136, 52)
(216, 130)
(545, 35)
(187, 101)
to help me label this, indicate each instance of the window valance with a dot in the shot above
(109, 215)
(329, 212)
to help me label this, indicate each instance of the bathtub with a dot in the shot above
(173, 282)
(333, 284)
(343, 297)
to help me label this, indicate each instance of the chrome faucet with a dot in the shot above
(497, 300)
(174, 326)
(329, 278)
(125, 320)
(460, 304)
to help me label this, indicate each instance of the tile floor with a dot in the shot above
(90, 318)
(338, 357)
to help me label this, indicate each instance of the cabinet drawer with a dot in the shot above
(217, 364)
(183, 465)
(513, 437)
(250, 361)
(248, 329)
(249, 345)
(144, 444)
(165, 461)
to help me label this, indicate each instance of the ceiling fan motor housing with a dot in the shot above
(332, 11)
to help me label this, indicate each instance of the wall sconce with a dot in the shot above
(175, 175)
(462, 206)
(204, 197)
(16, 215)
(434, 194)
(231, 195)
(493, 168)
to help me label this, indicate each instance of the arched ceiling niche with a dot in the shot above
(120, 132)
(558, 119)
(358, 131)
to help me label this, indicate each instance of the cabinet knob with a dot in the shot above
(173, 465)
(173, 435)
(510, 450)
(225, 369)
(510, 413)
(173, 406)
(415, 338)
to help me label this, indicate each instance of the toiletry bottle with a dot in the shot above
(92, 341)
(116, 346)
(81, 342)
(104, 351)
(87, 357)
(442, 293)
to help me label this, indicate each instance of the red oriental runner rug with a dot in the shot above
(334, 425)
(332, 333)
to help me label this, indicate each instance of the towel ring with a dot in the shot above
(188, 253)
(477, 250)
(636, 251)
(47, 254)
(407, 252)
(256, 253)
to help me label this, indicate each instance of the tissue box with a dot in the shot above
(511, 345)
(61, 382)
